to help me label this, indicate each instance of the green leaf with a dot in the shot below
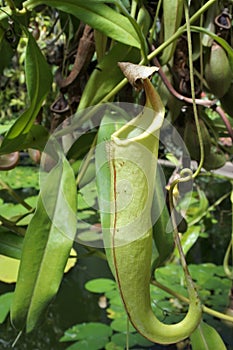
(98, 15)
(100, 285)
(120, 325)
(98, 86)
(10, 244)
(134, 339)
(36, 137)
(172, 12)
(46, 248)
(39, 80)
(206, 337)
(5, 303)
(219, 40)
(89, 344)
(113, 346)
(87, 331)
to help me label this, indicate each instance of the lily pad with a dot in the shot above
(100, 285)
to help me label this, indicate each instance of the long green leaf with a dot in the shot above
(206, 337)
(36, 137)
(97, 15)
(39, 80)
(46, 248)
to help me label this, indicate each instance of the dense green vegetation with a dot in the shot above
(116, 151)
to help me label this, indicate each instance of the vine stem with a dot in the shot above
(185, 175)
(205, 309)
(191, 70)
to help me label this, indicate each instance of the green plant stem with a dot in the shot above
(201, 145)
(201, 51)
(114, 91)
(13, 194)
(206, 309)
(186, 175)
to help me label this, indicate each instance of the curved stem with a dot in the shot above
(188, 177)
(205, 309)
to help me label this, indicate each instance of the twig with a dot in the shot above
(205, 103)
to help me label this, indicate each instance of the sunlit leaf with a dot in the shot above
(9, 269)
(10, 262)
(98, 15)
